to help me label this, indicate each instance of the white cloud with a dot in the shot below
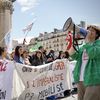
(27, 4)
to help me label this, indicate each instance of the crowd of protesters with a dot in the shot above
(38, 57)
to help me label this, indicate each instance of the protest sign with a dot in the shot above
(45, 80)
(6, 79)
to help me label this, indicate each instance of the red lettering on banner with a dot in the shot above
(49, 79)
(59, 66)
(3, 66)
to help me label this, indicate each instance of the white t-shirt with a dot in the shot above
(84, 62)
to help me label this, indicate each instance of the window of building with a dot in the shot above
(57, 45)
(54, 45)
(46, 47)
(50, 46)
(62, 44)
(57, 40)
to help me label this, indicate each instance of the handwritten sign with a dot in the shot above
(6, 78)
(22, 82)
(45, 80)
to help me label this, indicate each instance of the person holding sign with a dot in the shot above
(87, 69)
(18, 54)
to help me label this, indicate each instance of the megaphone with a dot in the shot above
(70, 26)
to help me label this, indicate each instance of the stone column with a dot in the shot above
(6, 9)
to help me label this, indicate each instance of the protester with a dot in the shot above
(66, 54)
(18, 54)
(38, 59)
(3, 53)
(61, 55)
(43, 53)
(12, 56)
(32, 57)
(25, 57)
(87, 69)
(50, 56)
(41, 49)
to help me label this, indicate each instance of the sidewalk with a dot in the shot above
(74, 97)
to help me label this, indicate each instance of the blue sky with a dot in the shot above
(50, 14)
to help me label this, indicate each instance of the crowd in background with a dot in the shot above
(39, 57)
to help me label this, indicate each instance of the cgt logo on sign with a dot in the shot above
(3, 66)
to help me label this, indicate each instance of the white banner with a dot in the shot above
(6, 78)
(43, 81)
(71, 69)
(33, 82)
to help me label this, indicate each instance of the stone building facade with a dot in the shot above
(51, 41)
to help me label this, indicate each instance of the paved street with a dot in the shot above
(70, 98)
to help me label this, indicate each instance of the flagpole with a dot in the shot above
(24, 40)
(26, 34)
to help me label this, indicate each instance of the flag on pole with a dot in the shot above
(28, 28)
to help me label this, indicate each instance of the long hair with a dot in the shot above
(2, 49)
(66, 54)
(17, 51)
(36, 57)
(59, 56)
